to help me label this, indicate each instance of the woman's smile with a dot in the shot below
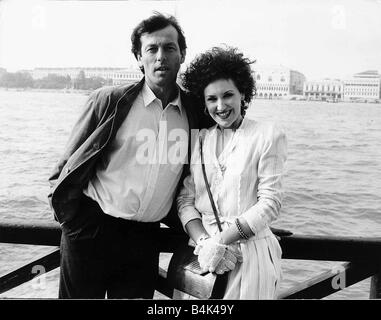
(223, 101)
(224, 114)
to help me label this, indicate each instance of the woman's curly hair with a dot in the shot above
(220, 63)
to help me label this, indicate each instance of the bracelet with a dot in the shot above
(240, 231)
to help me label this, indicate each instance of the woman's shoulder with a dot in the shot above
(262, 126)
(264, 130)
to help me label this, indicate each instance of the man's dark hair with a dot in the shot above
(154, 23)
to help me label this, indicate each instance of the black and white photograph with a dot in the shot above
(220, 150)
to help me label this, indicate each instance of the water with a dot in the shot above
(332, 182)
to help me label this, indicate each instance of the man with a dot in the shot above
(110, 191)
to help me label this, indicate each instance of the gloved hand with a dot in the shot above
(229, 260)
(210, 252)
(236, 251)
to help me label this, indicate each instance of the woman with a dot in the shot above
(244, 162)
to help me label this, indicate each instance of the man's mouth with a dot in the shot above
(162, 68)
(224, 114)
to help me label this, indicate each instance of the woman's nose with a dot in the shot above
(220, 104)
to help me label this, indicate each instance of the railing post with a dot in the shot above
(375, 285)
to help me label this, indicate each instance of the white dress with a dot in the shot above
(246, 181)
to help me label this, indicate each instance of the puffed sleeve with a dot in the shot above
(187, 195)
(271, 166)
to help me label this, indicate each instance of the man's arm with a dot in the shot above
(83, 128)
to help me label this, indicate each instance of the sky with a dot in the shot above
(320, 38)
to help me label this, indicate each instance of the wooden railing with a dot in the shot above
(361, 257)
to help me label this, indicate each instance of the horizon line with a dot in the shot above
(136, 68)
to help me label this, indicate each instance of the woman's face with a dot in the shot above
(223, 101)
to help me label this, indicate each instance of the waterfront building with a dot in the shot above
(117, 75)
(278, 82)
(324, 90)
(364, 86)
(126, 76)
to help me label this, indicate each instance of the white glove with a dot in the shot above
(210, 252)
(229, 260)
(236, 251)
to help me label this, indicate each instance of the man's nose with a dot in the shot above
(160, 54)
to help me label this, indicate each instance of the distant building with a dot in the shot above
(126, 76)
(117, 75)
(325, 90)
(363, 86)
(278, 82)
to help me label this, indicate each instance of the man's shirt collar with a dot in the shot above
(149, 97)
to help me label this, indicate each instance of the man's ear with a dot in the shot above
(139, 60)
(183, 53)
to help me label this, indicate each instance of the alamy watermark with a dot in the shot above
(338, 282)
(39, 280)
(169, 146)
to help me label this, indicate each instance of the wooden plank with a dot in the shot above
(321, 247)
(38, 232)
(331, 281)
(48, 232)
(364, 265)
(375, 285)
(163, 285)
(35, 268)
(330, 248)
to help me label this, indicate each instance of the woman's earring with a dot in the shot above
(243, 107)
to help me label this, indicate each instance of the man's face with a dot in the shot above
(160, 56)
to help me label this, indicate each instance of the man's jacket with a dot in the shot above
(104, 112)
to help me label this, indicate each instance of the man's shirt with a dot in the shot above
(137, 176)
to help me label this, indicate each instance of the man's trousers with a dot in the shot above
(106, 256)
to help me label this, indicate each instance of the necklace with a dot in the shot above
(221, 149)
(221, 146)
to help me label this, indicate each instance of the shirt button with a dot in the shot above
(96, 145)
(67, 170)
